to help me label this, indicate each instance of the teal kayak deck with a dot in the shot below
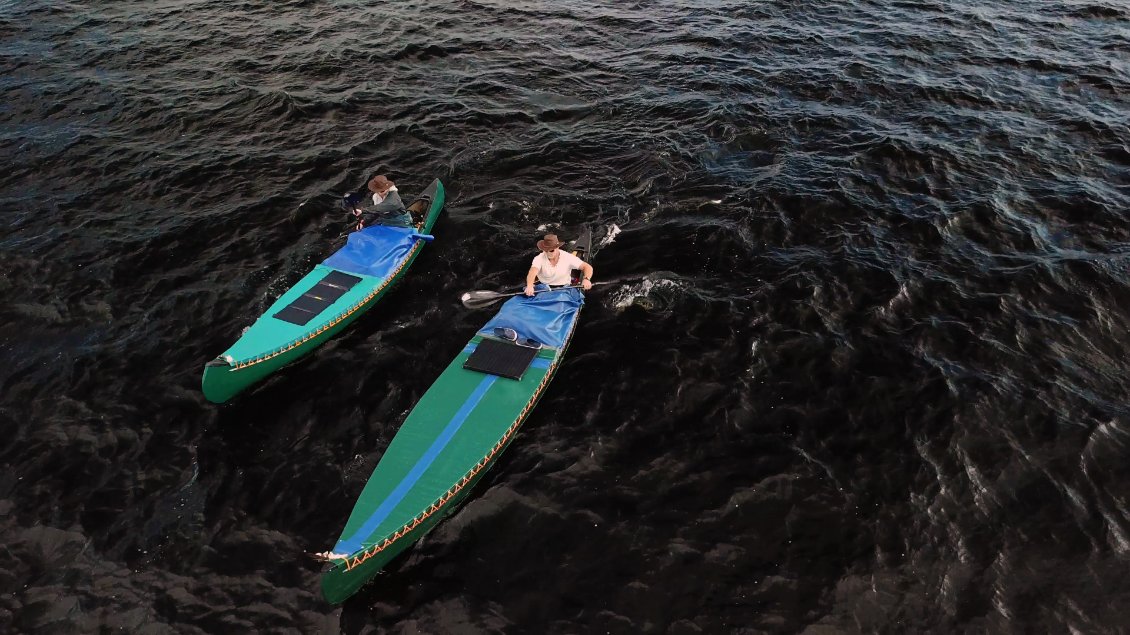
(269, 336)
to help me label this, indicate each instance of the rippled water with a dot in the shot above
(863, 369)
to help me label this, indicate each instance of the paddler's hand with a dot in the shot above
(586, 284)
(529, 290)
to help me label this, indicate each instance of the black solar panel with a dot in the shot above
(340, 279)
(501, 358)
(326, 292)
(308, 305)
(294, 316)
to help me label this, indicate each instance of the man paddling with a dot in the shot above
(554, 267)
(386, 209)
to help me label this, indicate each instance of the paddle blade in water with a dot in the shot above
(482, 299)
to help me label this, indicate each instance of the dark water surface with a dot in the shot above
(865, 369)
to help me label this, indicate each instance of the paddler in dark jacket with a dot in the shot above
(386, 207)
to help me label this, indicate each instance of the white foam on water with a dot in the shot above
(610, 237)
(637, 293)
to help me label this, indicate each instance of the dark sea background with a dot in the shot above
(863, 366)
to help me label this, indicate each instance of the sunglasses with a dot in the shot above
(512, 335)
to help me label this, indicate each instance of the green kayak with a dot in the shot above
(456, 432)
(324, 301)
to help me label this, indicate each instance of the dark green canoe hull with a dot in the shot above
(271, 344)
(450, 439)
(468, 459)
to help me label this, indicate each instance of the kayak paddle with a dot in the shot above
(483, 299)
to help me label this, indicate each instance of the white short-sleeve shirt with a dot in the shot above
(559, 274)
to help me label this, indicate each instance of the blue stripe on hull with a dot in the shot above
(354, 542)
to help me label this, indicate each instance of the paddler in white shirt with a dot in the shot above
(554, 267)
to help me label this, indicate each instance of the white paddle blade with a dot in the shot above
(481, 299)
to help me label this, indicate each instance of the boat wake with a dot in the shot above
(613, 230)
(650, 294)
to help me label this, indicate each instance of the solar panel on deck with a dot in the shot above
(308, 305)
(326, 292)
(340, 279)
(294, 316)
(501, 358)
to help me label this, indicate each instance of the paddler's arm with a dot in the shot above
(351, 203)
(586, 276)
(531, 276)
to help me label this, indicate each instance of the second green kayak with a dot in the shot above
(324, 301)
